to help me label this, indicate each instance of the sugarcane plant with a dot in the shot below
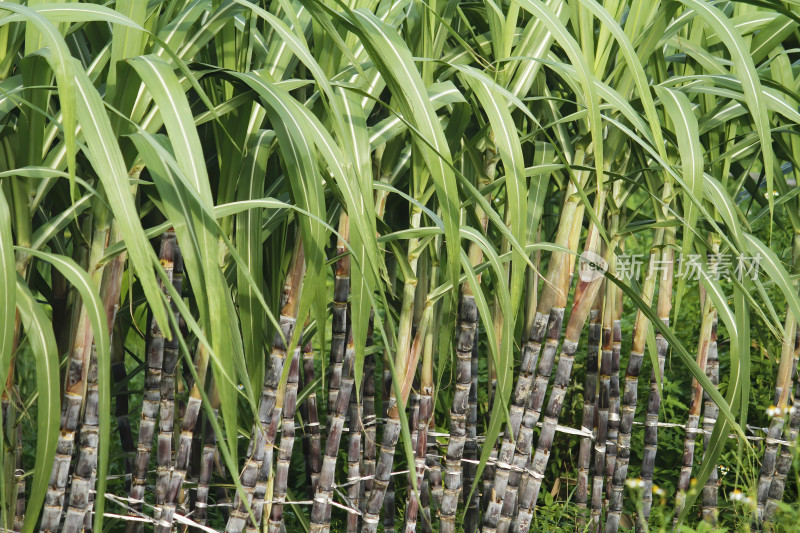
(430, 266)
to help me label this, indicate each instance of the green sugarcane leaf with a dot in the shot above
(740, 54)
(393, 59)
(106, 157)
(80, 279)
(65, 70)
(176, 113)
(43, 343)
(762, 257)
(584, 74)
(8, 279)
(248, 240)
(508, 144)
(680, 350)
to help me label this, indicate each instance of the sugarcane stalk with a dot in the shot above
(166, 420)
(424, 415)
(323, 496)
(83, 478)
(786, 457)
(518, 439)
(424, 411)
(664, 307)
(528, 395)
(312, 447)
(783, 385)
(369, 419)
(19, 479)
(286, 445)
(85, 468)
(208, 458)
(340, 388)
(256, 470)
(341, 292)
(613, 395)
(694, 411)
(603, 401)
(434, 464)
(151, 401)
(405, 363)
(471, 521)
(354, 459)
(74, 388)
(183, 454)
(708, 502)
(466, 327)
(589, 403)
(583, 301)
(120, 376)
(391, 433)
(631, 389)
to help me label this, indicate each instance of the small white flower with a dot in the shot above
(723, 470)
(790, 410)
(658, 491)
(739, 496)
(637, 483)
(773, 410)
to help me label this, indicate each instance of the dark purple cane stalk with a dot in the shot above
(466, 327)
(424, 417)
(512, 485)
(151, 401)
(526, 491)
(603, 402)
(406, 363)
(81, 498)
(312, 447)
(354, 458)
(341, 293)
(630, 394)
(207, 461)
(434, 464)
(694, 411)
(787, 371)
(254, 475)
(166, 421)
(80, 370)
(589, 402)
(471, 519)
(786, 457)
(85, 468)
(286, 444)
(183, 455)
(654, 398)
(583, 301)
(614, 400)
(370, 421)
(120, 376)
(320, 511)
(708, 502)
